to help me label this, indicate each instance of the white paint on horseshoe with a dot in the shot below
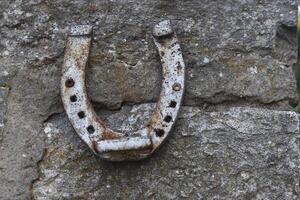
(103, 141)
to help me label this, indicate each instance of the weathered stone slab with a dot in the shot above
(236, 53)
(240, 153)
(232, 51)
(3, 105)
(3, 109)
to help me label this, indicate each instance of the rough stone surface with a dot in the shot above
(3, 104)
(238, 53)
(240, 153)
(232, 50)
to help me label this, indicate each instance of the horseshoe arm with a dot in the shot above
(103, 141)
(76, 102)
(172, 89)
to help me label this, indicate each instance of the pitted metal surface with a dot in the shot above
(105, 142)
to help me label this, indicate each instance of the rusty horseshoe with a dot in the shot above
(106, 143)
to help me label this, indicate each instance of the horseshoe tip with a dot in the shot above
(163, 28)
(78, 30)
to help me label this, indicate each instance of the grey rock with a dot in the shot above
(3, 108)
(240, 153)
(232, 51)
(236, 52)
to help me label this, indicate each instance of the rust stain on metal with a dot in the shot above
(94, 147)
(105, 142)
(109, 135)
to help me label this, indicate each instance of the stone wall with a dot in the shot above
(237, 136)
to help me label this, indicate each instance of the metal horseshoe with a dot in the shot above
(106, 143)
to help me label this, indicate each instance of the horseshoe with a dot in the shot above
(104, 142)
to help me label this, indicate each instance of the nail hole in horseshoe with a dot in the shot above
(172, 104)
(176, 86)
(81, 114)
(73, 98)
(90, 129)
(70, 82)
(168, 118)
(159, 132)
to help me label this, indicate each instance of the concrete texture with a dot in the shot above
(240, 153)
(234, 139)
